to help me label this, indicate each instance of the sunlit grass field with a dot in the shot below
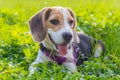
(97, 18)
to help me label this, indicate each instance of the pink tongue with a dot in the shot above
(62, 49)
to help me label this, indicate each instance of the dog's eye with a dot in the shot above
(71, 22)
(54, 21)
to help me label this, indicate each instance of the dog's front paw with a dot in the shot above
(70, 66)
(31, 70)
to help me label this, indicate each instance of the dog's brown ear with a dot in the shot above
(37, 25)
(73, 15)
(76, 38)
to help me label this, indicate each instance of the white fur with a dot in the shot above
(57, 36)
(69, 53)
(40, 59)
(98, 51)
(70, 66)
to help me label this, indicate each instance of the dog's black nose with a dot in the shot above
(67, 36)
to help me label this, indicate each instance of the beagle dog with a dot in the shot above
(54, 28)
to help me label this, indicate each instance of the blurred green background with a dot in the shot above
(97, 18)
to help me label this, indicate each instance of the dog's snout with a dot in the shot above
(67, 36)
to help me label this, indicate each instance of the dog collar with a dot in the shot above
(59, 59)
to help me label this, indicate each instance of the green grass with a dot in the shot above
(97, 18)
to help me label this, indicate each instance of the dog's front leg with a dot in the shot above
(40, 59)
(70, 66)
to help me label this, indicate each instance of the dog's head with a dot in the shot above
(57, 22)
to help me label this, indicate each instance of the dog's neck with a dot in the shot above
(48, 44)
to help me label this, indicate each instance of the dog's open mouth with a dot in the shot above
(62, 48)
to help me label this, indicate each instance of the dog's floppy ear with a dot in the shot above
(37, 25)
(76, 38)
(73, 15)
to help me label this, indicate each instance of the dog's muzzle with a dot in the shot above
(67, 36)
(62, 48)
